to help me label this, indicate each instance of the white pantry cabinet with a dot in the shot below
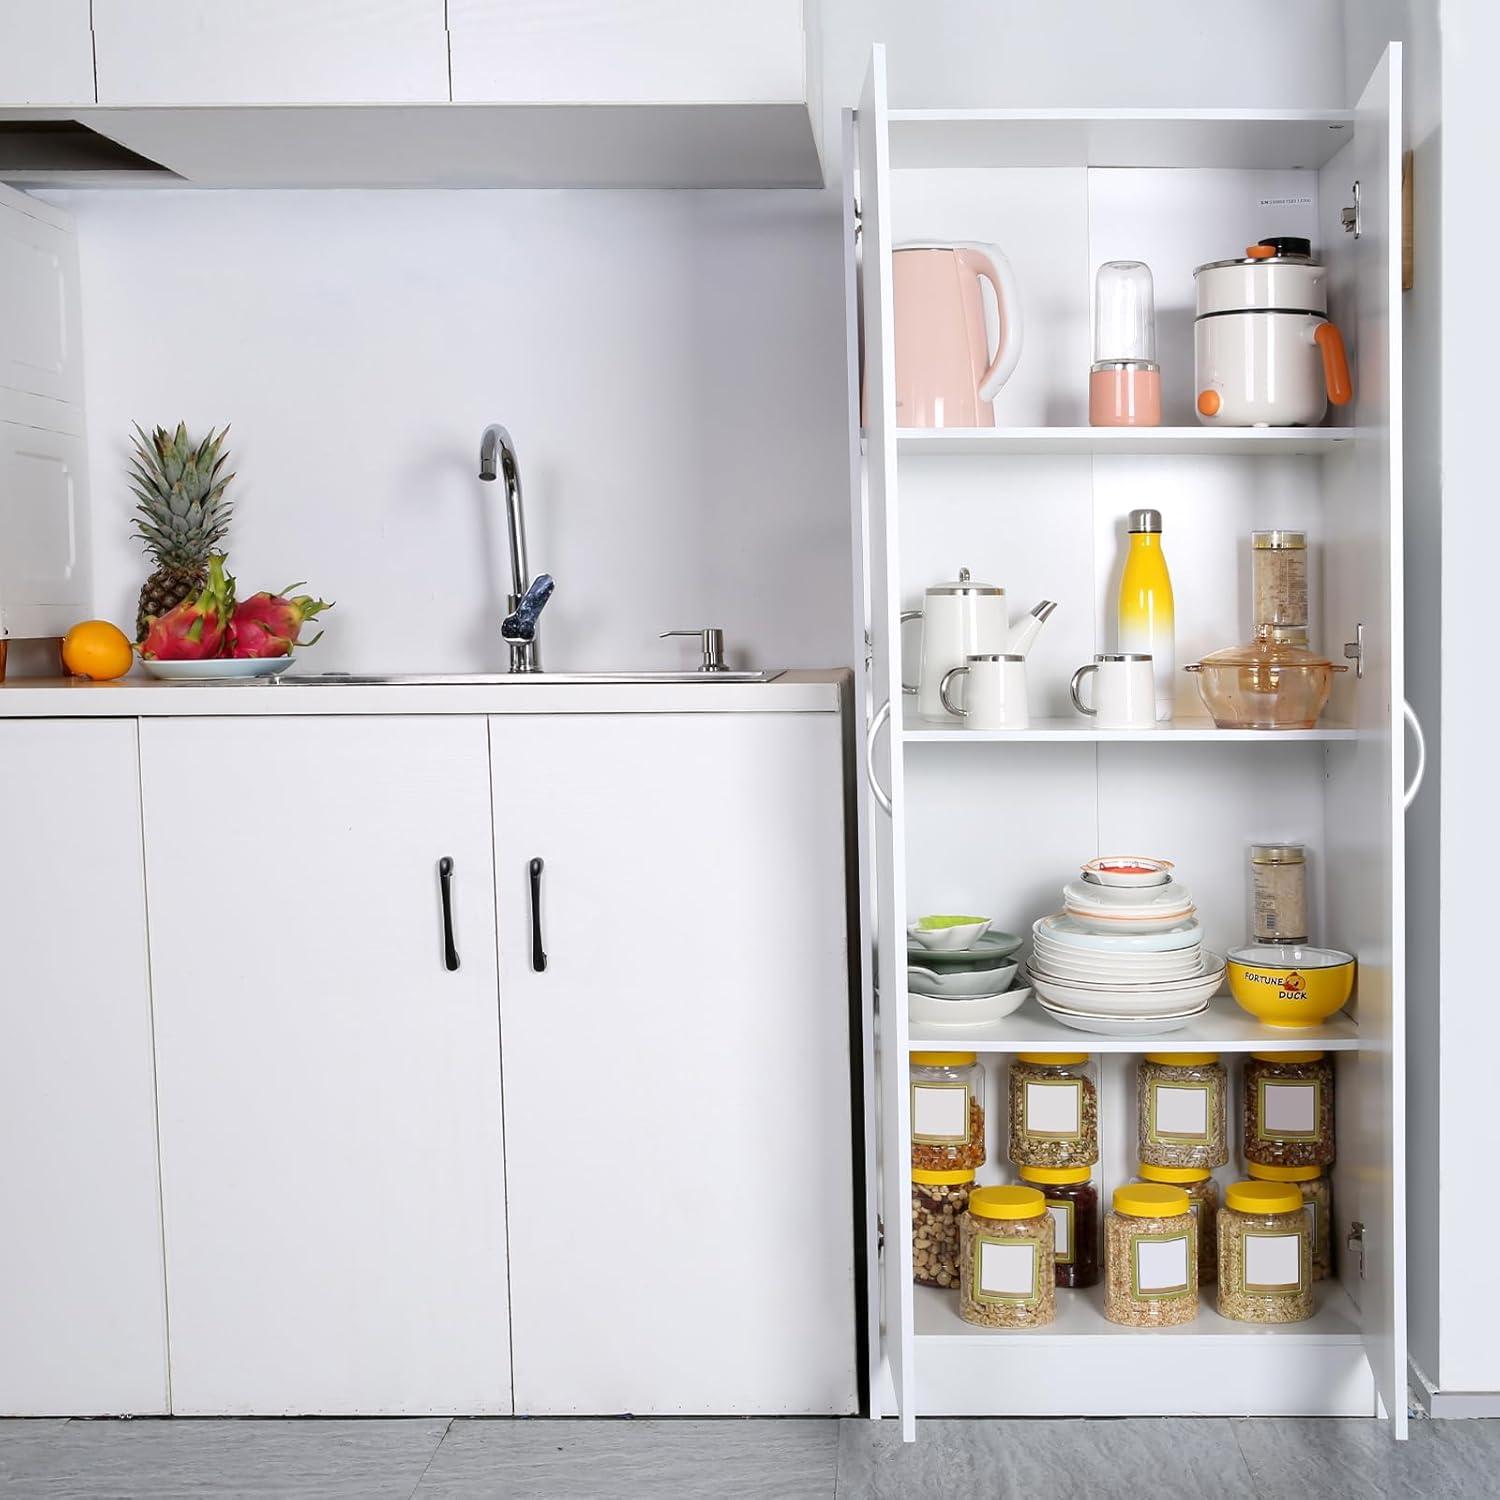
(676, 1047)
(46, 52)
(82, 1314)
(329, 1088)
(995, 821)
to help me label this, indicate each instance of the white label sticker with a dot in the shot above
(1289, 1108)
(1291, 200)
(1273, 1262)
(1062, 1224)
(1007, 1270)
(1161, 1265)
(1182, 1111)
(1054, 1109)
(940, 1113)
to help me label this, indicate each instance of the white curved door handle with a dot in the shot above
(1415, 725)
(877, 791)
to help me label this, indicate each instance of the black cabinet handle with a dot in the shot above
(538, 953)
(445, 884)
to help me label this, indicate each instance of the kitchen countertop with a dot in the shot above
(139, 696)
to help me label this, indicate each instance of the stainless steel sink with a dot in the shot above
(498, 679)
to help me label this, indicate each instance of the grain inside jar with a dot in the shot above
(947, 1111)
(1317, 1204)
(1203, 1204)
(1182, 1109)
(1054, 1110)
(1288, 1109)
(1265, 1258)
(1150, 1264)
(1007, 1278)
(938, 1202)
(1278, 883)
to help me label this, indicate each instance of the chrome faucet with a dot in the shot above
(524, 603)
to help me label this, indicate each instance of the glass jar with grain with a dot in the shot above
(1054, 1110)
(947, 1110)
(1073, 1201)
(1203, 1204)
(938, 1201)
(1278, 581)
(1265, 1258)
(1005, 1266)
(1278, 886)
(1150, 1264)
(1182, 1105)
(1317, 1204)
(1288, 1109)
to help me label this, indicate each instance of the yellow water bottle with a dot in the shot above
(1146, 616)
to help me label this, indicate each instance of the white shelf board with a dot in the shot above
(1042, 442)
(1117, 137)
(1080, 1317)
(1223, 1027)
(1078, 730)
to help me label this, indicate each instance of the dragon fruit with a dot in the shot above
(195, 629)
(271, 624)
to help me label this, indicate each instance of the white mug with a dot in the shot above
(1124, 691)
(994, 692)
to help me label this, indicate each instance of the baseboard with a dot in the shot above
(1451, 1404)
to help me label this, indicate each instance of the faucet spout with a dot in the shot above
(497, 460)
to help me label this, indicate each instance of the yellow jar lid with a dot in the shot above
(942, 1059)
(1183, 1059)
(948, 1175)
(1263, 1198)
(1172, 1174)
(1292, 1057)
(1006, 1203)
(1053, 1059)
(1283, 1174)
(1056, 1174)
(1150, 1200)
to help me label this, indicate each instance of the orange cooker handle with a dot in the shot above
(1335, 364)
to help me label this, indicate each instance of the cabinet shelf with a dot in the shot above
(919, 731)
(1042, 442)
(1223, 1027)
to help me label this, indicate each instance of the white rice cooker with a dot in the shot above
(1265, 353)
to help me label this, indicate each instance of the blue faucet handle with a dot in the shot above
(521, 624)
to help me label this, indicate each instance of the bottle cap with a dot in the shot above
(1145, 520)
(1008, 1203)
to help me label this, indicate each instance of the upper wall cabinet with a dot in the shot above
(271, 52)
(46, 52)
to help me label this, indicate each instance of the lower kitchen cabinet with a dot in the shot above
(677, 1072)
(82, 1317)
(329, 1086)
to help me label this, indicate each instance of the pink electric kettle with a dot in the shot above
(945, 375)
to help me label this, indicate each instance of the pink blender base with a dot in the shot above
(1125, 395)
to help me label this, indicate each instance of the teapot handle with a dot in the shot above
(990, 262)
(1330, 344)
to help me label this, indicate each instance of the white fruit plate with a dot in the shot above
(218, 668)
(1115, 956)
(1121, 1026)
(1129, 999)
(1135, 901)
(1071, 933)
(1092, 922)
(1117, 974)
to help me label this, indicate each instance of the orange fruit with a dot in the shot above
(97, 649)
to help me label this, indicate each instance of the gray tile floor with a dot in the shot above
(1200, 1459)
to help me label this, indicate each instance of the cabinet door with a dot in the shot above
(677, 1077)
(82, 1320)
(271, 52)
(46, 52)
(332, 1168)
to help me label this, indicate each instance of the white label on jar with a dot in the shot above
(1273, 1262)
(1005, 1270)
(1180, 1111)
(940, 1114)
(1161, 1265)
(1289, 1111)
(1055, 1110)
(1062, 1231)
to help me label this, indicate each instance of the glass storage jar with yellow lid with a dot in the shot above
(1265, 1263)
(1005, 1259)
(1150, 1267)
(1288, 1109)
(1054, 1110)
(1073, 1201)
(938, 1201)
(1317, 1204)
(1203, 1203)
(1182, 1103)
(947, 1110)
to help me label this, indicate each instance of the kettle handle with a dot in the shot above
(1330, 344)
(989, 261)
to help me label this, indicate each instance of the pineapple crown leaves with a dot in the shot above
(179, 489)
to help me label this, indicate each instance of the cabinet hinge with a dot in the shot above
(1355, 650)
(1355, 1242)
(1349, 215)
(879, 1235)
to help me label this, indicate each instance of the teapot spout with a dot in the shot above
(1030, 627)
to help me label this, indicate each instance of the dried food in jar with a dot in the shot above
(1317, 1204)
(1073, 1201)
(1005, 1265)
(1203, 1204)
(947, 1110)
(938, 1201)
(1182, 1105)
(1150, 1268)
(1278, 577)
(1265, 1259)
(1288, 1109)
(1054, 1110)
(1278, 881)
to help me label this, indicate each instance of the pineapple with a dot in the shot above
(181, 514)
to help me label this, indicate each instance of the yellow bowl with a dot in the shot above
(1290, 985)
